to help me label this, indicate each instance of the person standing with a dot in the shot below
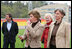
(9, 30)
(34, 29)
(44, 37)
(59, 35)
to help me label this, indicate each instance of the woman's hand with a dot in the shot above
(20, 37)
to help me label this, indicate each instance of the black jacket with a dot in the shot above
(10, 35)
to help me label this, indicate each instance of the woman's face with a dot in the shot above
(48, 19)
(32, 18)
(58, 15)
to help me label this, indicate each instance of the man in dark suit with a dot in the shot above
(9, 30)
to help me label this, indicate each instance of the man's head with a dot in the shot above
(8, 17)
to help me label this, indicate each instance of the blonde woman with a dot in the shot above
(49, 20)
(35, 30)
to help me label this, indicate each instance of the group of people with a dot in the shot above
(54, 34)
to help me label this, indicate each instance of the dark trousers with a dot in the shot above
(52, 46)
(6, 44)
(30, 47)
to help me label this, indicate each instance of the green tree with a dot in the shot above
(17, 9)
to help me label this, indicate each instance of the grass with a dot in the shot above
(18, 43)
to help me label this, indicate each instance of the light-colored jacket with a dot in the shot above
(34, 35)
(62, 35)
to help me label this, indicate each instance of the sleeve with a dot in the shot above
(67, 34)
(3, 28)
(24, 36)
(16, 28)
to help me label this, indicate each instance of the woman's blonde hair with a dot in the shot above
(49, 14)
(35, 13)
